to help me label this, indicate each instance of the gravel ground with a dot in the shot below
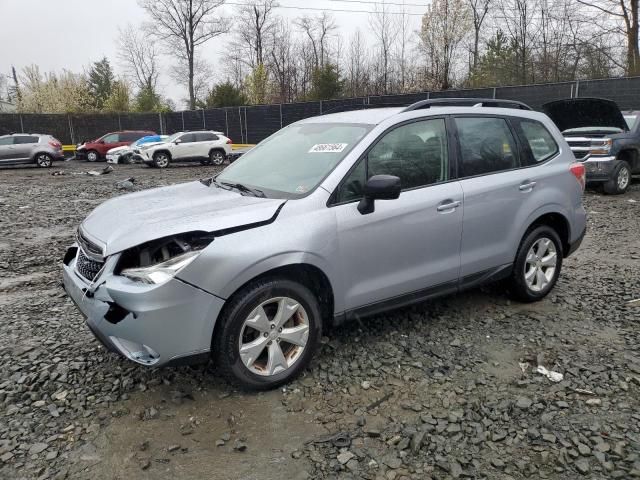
(442, 390)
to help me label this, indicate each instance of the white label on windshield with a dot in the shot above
(328, 148)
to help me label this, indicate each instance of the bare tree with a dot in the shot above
(519, 21)
(627, 11)
(444, 26)
(139, 57)
(198, 83)
(479, 11)
(382, 25)
(319, 31)
(253, 31)
(184, 25)
(357, 67)
(282, 62)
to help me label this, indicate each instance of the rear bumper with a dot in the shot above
(153, 325)
(576, 243)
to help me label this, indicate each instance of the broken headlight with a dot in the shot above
(159, 261)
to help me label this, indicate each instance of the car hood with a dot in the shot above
(122, 149)
(584, 112)
(129, 220)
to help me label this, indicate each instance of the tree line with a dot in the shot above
(272, 59)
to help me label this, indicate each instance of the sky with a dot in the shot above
(71, 34)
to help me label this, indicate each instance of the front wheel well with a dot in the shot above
(559, 223)
(167, 152)
(308, 275)
(217, 149)
(631, 157)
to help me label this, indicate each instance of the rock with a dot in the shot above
(524, 403)
(582, 466)
(37, 448)
(416, 441)
(344, 457)
(583, 449)
(219, 442)
(365, 385)
(173, 448)
(594, 402)
(239, 446)
(145, 464)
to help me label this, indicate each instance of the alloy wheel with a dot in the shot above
(540, 264)
(162, 160)
(623, 178)
(43, 160)
(217, 159)
(92, 156)
(274, 336)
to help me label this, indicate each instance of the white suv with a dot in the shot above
(207, 147)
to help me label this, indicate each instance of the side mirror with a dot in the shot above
(379, 187)
(101, 142)
(178, 141)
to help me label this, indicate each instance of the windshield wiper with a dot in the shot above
(243, 188)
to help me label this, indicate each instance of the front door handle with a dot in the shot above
(449, 206)
(527, 186)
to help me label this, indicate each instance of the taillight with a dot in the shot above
(229, 142)
(580, 173)
(55, 145)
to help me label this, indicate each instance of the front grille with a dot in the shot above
(86, 267)
(580, 154)
(579, 143)
(88, 246)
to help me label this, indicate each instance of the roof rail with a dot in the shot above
(362, 106)
(467, 102)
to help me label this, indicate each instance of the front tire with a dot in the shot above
(267, 334)
(161, 160)
(93, 156)
(44, 160)
(620, 181)
(537, 266)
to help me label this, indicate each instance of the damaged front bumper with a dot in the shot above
(168, 324)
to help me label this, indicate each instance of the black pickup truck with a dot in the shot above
(602, 138)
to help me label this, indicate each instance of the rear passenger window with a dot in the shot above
(111, 138)
(205, 137)
(24, 139)
(539, 139)
(486, 146)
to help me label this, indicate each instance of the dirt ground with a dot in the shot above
(441, 390)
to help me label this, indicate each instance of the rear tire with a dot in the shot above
(250, 324)
(161, 159)
(620, 180)
(44, 160)
(93, 156)
(537, 265)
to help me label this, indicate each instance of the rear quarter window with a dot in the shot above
(539, 140)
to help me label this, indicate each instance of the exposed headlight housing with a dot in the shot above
(601, 146)
(158, 261)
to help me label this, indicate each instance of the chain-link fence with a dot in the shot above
(252, 124)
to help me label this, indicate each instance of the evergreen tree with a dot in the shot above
(101, 81)
(326, 83)
(225, 95)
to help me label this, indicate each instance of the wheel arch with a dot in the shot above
(556, 220)
(217, 149)
(162, 150)
(629, 155)
(309, 275)
(34, 157)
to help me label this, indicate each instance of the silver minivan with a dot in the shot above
(334, 217)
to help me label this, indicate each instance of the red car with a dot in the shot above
(95, 150)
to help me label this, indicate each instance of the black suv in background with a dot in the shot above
(600, 136)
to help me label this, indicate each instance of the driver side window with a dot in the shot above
(415, 152)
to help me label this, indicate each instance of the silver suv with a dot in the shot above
(30, 148)
(331, 218)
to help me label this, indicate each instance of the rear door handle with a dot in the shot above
(527, 187)
(449, 206)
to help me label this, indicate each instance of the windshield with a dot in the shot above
(631, 120)
(294, 160)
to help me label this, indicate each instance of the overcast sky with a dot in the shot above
(59, 34)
